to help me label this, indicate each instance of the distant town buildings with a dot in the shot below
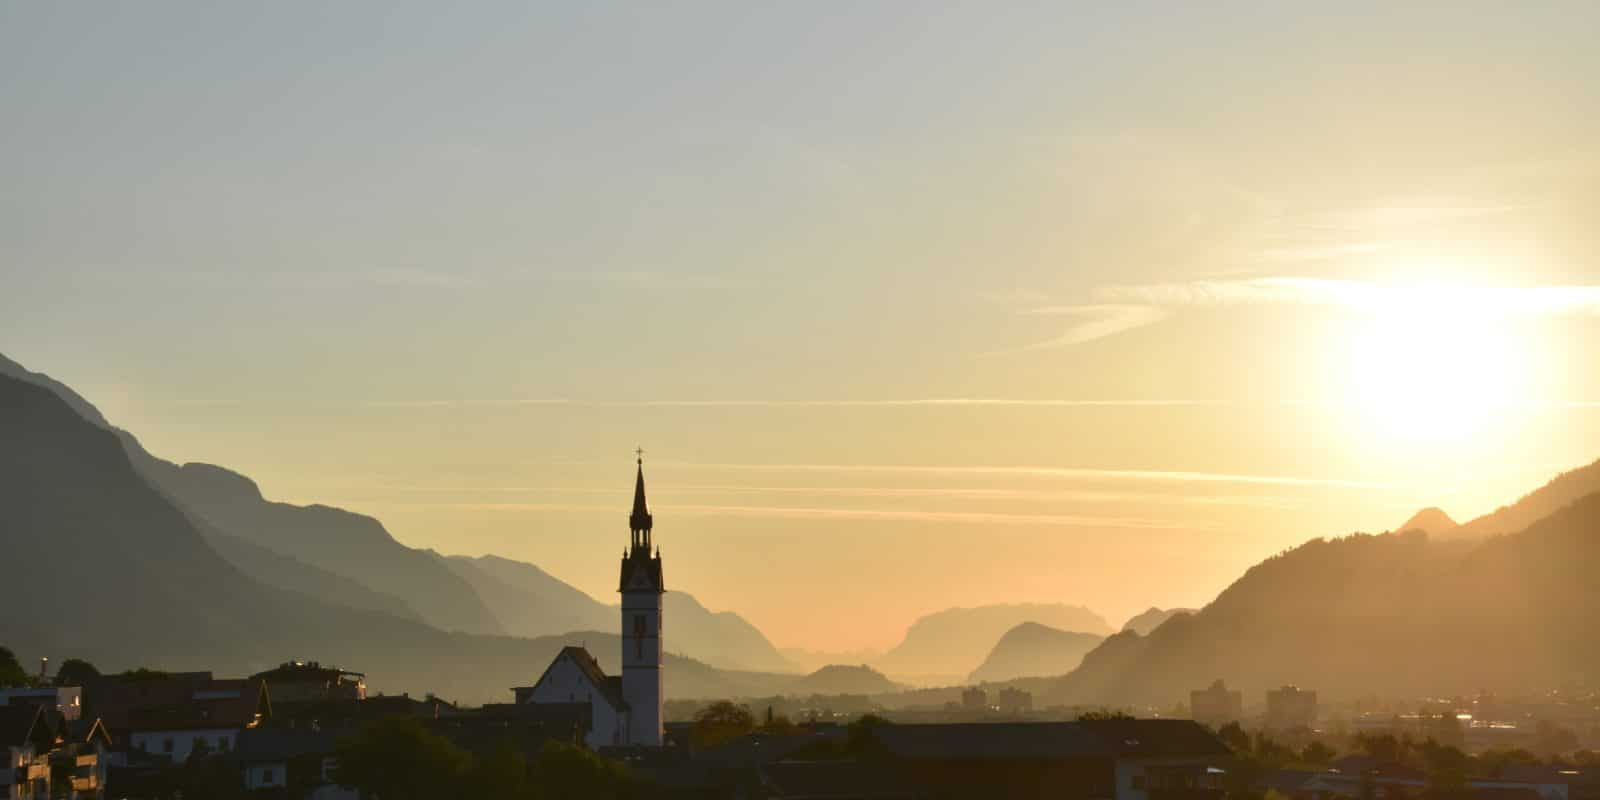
(1291, 707)
(1015, 701)
(1216, 705)
(974, 699)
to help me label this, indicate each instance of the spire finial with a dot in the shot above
(639, 453)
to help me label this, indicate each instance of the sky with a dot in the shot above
(911, 305)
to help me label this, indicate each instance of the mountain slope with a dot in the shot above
(1561, 491)
(143, 587)
(1031, 649)
(532, 602)
(1152, 618)
(1432, 521)
(953, 642)
(336, 540)
(1393, 615)
(843, 679)
(313, 540)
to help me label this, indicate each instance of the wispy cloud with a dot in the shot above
(1040, 472)
(874, 515)
(933, 402)
(1095, 321)
(1124, 308)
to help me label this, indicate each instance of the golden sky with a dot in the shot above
(910, 307)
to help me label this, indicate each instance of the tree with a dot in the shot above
(1317, 753)
(502, 774)
(75, 672)
(11, 673)
(1235, 738)
(398, 759)
(1103, 714)
(565, 770)
(721, 722)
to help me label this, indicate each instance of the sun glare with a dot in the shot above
(1429, 371)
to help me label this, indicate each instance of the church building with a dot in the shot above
(626, 709)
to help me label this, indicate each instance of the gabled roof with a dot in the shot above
(608, 687)
(237, 703)
(1051, 740)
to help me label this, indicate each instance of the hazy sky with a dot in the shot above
(911, 305)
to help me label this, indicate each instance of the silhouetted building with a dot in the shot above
(974, 699)
(26, 740)
(1015, 701)
(1291, 707)
(1216, 705)
(627, 709)
(310, 682)
(65, 701)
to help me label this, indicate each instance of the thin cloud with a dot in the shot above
(757, 403)
(802, 512)
(1162, 476)
(1366, 297)
(1095, 321)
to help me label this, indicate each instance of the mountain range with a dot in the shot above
(944, 647)
(1033, 650)
(332, 557)
(1152, 618)
(1396, 615)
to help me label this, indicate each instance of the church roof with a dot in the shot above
(648, 568)
(609, 687)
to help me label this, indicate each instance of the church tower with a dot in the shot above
(642, 652)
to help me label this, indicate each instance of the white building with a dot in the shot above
(625, 710)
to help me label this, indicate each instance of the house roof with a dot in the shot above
(609, 688)
(237, 703)
(1050, 740)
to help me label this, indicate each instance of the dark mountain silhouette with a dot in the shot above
(1432, 521)
(1564, 489)
(1392, 615)
(316, 540)
(353, 545)
(1031, 649)
(350, 560)
(531, 602)
(1152, 618)
(843, 679)
(143, 587)
(951, 643)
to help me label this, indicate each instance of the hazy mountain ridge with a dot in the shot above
(531, 602)
(1339, 615)
(843, 679)
(144, 587)
(351, 560)
(953, 642)
(1034, 650)
(1562, 490)
(1432, 521)
(1150, 619)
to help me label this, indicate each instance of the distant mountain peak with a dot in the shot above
(1431, 520)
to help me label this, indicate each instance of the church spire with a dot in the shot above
(639, 521)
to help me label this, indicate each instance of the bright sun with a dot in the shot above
(1425, 373)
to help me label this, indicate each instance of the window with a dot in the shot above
(223, 743)
(166, 745)
(1137, 783)
(269, 776)
(639, 627)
